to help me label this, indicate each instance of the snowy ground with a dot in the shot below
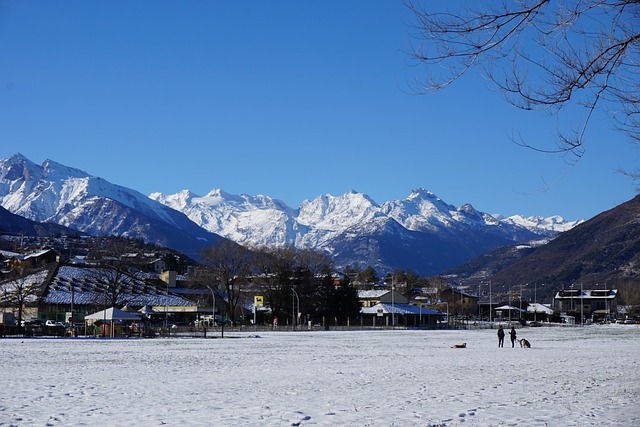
(571, 377)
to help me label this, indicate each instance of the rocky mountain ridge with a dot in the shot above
(422, 232)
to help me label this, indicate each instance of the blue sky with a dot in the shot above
(291, 99)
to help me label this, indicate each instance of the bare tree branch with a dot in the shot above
(543, 55)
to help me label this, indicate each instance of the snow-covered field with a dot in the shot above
(571, 377)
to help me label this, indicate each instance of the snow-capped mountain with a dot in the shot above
(251, 221)
(422, 232)
(554, 224)
(55, 193)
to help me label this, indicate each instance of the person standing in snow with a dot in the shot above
(500, 337)
(512, 334)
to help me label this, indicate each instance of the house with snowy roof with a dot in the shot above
(384, 308)
(67, 293)
(33, 259)
(369, 298)
(539, 308)
(596, 304)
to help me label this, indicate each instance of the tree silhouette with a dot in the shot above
(543, 55)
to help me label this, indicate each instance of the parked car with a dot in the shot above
(535, 324)
(54, 323)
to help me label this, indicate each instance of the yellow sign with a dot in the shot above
(258, 300)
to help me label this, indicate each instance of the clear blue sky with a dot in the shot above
(291, 99)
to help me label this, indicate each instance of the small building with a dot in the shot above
(594, 304)
(34, 260)
(538, 309)
(507, 312)
(406, 315)
(460, 302)
(390, 308)
(65, 293)
(369, 298)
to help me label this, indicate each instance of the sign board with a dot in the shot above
(258, 300)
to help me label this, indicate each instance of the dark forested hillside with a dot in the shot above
(602, 251)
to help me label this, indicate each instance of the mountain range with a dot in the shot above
(54, 193)
(601, 252)
(422, 233)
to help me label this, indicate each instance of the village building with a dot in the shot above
(587, 304)
(391, 308)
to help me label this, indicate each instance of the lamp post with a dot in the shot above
(166, 311)
(509, 303)
(294, 312)
(104, 317)
(447, 303)
(393, 317)
(479, 295)
(213, 306)
(581, 306)
(490, 301)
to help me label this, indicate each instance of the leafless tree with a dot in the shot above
(22, 288)
(228, 265)
(113, 281)
(275, 268)
(543, 55)
(630, 295)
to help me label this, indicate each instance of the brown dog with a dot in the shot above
(524, 343)
(463, 345)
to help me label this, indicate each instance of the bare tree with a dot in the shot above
(113, 282)
(228, 264)
(276, 267)
(630, 296)
(22, 288)
(543, 55)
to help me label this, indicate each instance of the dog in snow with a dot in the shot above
(463, 345)
(524, 343)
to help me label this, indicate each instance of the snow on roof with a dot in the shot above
(398, 309)
(587, 293)
(537, 307)
(26, 283)
(112, 313)
(364, 294)
(86, 286)
(508, 307)
(8, 254)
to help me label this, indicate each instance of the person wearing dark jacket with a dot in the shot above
(512, 334)
(500, 337)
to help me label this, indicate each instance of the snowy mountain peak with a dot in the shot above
(180, 199)
(329, 211)
(555, 223)
(469, 210)
(55, 170)
(421, 193)
(348, 222)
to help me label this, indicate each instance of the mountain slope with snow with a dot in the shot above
(59, 194)
(422, 232)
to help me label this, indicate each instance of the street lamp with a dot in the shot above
(447, 303)
(166, 312)
(439, 301)
(213, 306)
(393, 317)
(490, 301)
(293, 306)
(581, 306)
